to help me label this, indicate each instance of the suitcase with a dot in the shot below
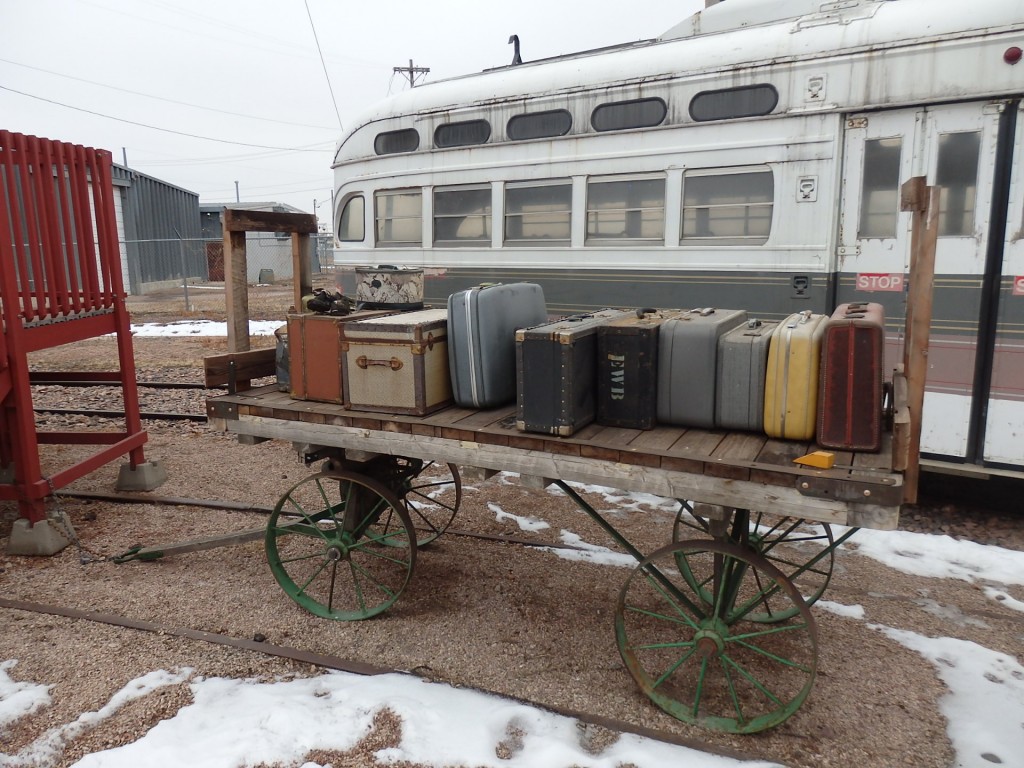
(556, 366)
(482, 325)
(627, 370)
(850, 393)
(397, 363)
(688, 364)
(791, 380)
(314, 354)
(742, 364)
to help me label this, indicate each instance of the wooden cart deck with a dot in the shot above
(733, 469)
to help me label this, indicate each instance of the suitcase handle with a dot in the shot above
(364, 362)
(641, 311)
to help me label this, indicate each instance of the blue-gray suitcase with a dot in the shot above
(482, 325)
(742, 364)
(688, 364)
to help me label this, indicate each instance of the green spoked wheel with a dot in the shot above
(339, 545)
(432, 498)
(709, 663)
(804, 552)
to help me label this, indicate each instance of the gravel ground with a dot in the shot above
(500, 617)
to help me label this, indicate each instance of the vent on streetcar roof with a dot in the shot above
(462, 134)
(732, 103)
(393, 142)
(539, 125)
(621, 115)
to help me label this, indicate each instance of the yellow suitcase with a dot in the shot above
(791, 384)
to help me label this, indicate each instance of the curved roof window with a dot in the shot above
(621, 115)
(732, 103)
(462, 134)
(539, 125)
(393, 142)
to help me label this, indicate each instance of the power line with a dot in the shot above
(323, 64)
(161, 98)
(154, 127)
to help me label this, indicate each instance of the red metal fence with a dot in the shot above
(60, 282)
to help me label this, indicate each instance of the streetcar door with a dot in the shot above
(953, 146)
(1004, 426)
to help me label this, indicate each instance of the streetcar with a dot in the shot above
(752, 157)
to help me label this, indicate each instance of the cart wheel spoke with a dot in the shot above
(432, 499)
(350, 553)
(691, 640)
(805, 557)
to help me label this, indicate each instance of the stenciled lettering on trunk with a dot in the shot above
(618, 376)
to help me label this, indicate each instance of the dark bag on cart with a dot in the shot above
(556, 368)
(627, 370)
(850, 395)
(482, 325)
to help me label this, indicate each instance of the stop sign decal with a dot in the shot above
(1018, 285)
(880, 281)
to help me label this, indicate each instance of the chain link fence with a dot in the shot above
(160, 272)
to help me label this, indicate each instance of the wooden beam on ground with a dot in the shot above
(236, 367)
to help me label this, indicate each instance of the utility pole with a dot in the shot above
(411, 72)
(237, 198)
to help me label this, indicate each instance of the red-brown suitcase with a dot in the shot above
(850, 395)
(314, 354)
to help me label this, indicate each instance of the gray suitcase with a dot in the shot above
(482, 325)
(688, 364)
(742, 364)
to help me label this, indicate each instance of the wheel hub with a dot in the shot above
(710, 638)
(337, 551)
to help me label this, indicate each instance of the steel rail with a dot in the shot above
(105, 414)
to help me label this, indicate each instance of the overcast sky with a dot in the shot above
(245, 75)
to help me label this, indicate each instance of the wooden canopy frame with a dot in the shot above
(236, 223)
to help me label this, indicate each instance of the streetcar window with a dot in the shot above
(620, 115)
(728, 208)
(462, 134)
(626, 210)
(462, 216)
(732, 103)
(393, 142)
(957, 179)
(880, 193)
(538, 214)
(539, 125)
(351, 228)
(399, 217)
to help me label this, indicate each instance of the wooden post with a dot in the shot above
(302, 271)
(923, 201)
(238, 221)
(236, 286)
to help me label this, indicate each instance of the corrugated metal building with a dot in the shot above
(159, 231)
